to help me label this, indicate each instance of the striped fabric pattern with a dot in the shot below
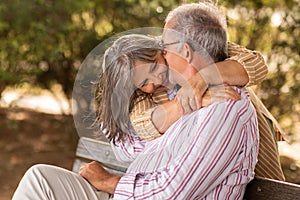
(252, 61)
(209, 154)
(268, 165)
(268, 160)
(141, 113)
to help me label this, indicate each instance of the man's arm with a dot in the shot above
(197, 154)
(189, 163)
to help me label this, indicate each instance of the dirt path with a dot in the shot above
(27, 138)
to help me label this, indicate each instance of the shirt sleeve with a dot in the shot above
(127, 149)
(186, 163)
(141, 114)
(277, 131)
(252, 61)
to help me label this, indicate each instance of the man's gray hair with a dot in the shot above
(203, 27)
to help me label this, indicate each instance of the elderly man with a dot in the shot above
(178, 20)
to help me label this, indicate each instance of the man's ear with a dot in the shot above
(188, 52)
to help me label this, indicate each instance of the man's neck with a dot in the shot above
(199, 62)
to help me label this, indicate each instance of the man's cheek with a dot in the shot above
(172, 78)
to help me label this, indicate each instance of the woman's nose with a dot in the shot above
(157, 80)
(164, 53)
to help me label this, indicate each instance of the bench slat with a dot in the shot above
(264, 189)
(101, 151)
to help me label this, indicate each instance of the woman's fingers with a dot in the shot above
(220, 93)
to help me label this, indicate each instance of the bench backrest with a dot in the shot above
(258, 189)
(90, 149)
(264, 189)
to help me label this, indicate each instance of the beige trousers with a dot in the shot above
(45, 182)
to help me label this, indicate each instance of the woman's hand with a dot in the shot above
(219, 93)
(189, 96)
(97, 176)
(188, 99)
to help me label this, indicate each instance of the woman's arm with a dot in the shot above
(152, 116)
(166, 114)
(252, 61)
(243, 67)
(141, 113)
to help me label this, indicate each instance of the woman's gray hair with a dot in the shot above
(116, 90)
(203, 27)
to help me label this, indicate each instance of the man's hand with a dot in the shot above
(97, 176)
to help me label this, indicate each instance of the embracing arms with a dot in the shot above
(152, 117)
(185, 163)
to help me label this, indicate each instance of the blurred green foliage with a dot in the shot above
(273, 28)
(44, 41)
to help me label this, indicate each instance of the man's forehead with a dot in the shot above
(168, 28)
(170, 23)
(169, 34)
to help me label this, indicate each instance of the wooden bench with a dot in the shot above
(99, 150)
(258, 189)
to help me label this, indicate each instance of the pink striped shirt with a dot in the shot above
(208, 154)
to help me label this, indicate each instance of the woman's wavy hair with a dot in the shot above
(116, 91)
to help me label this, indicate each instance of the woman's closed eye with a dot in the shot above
(153, 67)
(142, 84)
